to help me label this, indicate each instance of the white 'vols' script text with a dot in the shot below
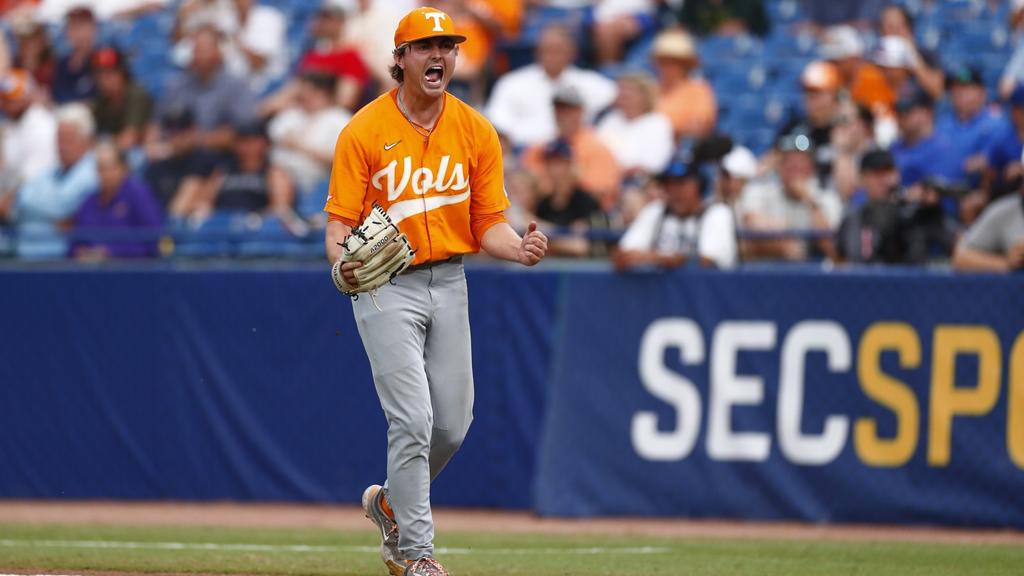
(423, 179)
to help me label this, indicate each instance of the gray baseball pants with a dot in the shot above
(419, 351)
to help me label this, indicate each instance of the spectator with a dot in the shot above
(894, 56)
(687, 101)
(1003, 173)
(370, 29)
(218, 99)
(995, 243)
(640, 138)
(478, 22)
(921, 152)
(327, 55)
(895, 21)
(46, 201)
(852, 137)
(29, 130)
(724, 17)
(735, 171)
(599, 172)
(34, 53)
(843, 47)
(303, 136)
(791, 200)
(521, 103)
(247, 182)
(678, 230)
(177, 166)
(73, 78)
(563, 204)
(254, 35)
(820, 82)
(122, 107)
(870, 232)
(522, 193)
(122, 202)
(617, 23)
(970, 125)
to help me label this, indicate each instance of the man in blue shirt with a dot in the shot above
(1004, 170)
(45, 202)
(921, 151)
(970, 125)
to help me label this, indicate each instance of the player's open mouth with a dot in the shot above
(433, 75)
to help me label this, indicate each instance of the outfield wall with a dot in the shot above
(888, 396)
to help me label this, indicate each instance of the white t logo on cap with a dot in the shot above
(437, 16)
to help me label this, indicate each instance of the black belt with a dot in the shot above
(432, 263)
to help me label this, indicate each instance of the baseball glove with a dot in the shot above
(383, 249)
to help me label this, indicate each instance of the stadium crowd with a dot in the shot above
(651, 132)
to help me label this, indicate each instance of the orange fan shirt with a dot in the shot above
(443, 190)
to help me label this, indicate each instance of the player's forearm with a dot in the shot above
(336, 234)
(502, 242)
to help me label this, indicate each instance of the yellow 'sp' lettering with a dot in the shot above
(889, 392)
(1015, 418)
(949, 400)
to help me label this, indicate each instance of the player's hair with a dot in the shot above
(397, 74)
(79, 116)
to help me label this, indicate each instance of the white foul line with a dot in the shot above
(119, 545)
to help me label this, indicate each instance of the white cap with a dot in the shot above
(841, 42)
(894, 52)
(740, 162)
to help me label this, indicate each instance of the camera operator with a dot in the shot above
(891, 227)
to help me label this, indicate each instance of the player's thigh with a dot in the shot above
(448, 355)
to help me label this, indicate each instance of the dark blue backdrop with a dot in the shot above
(251, 384)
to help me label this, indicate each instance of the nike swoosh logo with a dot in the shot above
(401, 210)
(392, 145)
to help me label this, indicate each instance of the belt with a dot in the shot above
(432, 263)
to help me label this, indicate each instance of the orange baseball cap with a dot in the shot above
(14, 85)
(423, 23)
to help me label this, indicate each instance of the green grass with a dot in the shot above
(47, 548)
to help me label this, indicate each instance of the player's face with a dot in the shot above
(428, 64)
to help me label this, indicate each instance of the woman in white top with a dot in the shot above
(640, 138)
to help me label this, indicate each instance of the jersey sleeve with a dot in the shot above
(350, 175)
(487, 182)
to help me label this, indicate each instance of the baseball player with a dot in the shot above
(434, 165)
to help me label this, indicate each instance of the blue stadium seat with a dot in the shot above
(311, 202)
(211, 238)
(979, 37)
(759, 140)
(782, 44)
(783, 12)
(718, 50)
(269, 238)
(737, 79)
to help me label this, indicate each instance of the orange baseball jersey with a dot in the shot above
(443, 190)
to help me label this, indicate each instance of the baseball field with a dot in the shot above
(119, 538)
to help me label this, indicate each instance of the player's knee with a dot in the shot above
(449, 440)
(413, 432)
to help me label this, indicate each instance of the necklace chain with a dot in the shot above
(405, 112)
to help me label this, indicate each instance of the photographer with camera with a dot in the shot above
(893, 227)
